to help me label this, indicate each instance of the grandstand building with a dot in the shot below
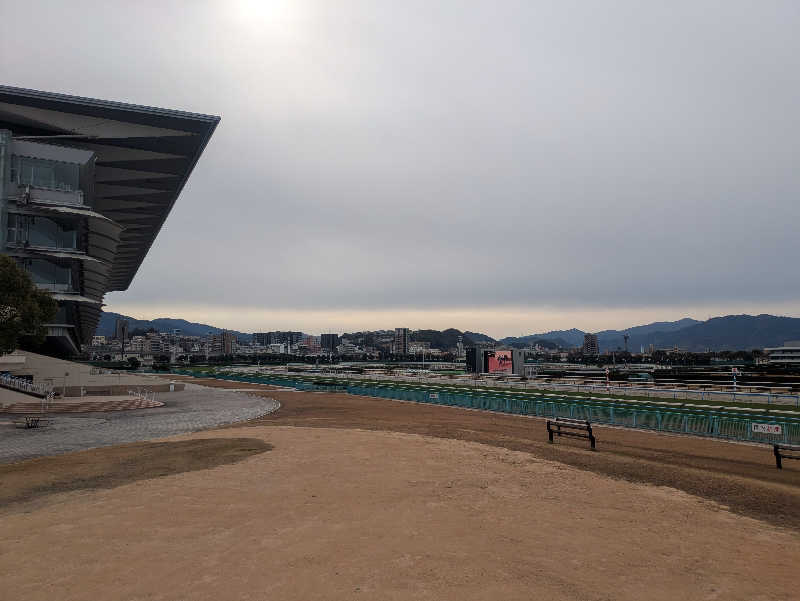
(85, 186)
(788, 354)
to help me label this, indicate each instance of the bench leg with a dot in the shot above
(778, 462)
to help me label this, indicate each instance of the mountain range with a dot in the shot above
(731, 332)
(108, 320)
(607, 339)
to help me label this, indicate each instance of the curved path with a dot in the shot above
(196, 408)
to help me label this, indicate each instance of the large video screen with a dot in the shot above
(500, 362)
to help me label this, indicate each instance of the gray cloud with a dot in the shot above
(426, 155)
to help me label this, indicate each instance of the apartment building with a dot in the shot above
(401, 340)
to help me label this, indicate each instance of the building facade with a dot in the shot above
(401, 340)
(267, 338)
(85, 186)
(788, 354)
(329, 342)
(262, 338)
(475, 360)
(590, 344)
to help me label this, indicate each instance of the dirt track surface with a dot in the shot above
(740, 476)
(351, 503)
(333, 514)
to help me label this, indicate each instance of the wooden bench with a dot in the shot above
(29, 421)
(781, 451)
(571, 427)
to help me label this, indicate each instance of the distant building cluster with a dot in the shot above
(399, 344)
(153, 347)
(175, 346)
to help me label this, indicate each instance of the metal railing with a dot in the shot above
(143, 395)
(664, 417)
(23, 385)
(686, 394)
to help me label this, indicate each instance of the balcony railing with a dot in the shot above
(72, 198)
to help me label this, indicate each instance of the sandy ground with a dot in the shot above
(341, 497)
(348, 514)
(740, 476)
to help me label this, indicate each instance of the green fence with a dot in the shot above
(685, 420)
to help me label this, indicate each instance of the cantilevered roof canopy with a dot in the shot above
(144, 156)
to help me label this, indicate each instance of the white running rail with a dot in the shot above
(143, 395)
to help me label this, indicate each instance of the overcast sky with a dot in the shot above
(506, 167)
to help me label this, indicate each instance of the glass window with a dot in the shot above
(46, 232)
(41, 173)
(49, 275)
(41, 231)
(16, 229)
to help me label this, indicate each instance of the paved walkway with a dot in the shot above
(196, 408)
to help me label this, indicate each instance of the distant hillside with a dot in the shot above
(163, 324)
(563, 338)
(732, 332)
(527, 341)
(641, 335)
(447, 339)
(478, 337)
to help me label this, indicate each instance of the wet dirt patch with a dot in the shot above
(110, 467)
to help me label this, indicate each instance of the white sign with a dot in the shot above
(767, 429)
(434, 395)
